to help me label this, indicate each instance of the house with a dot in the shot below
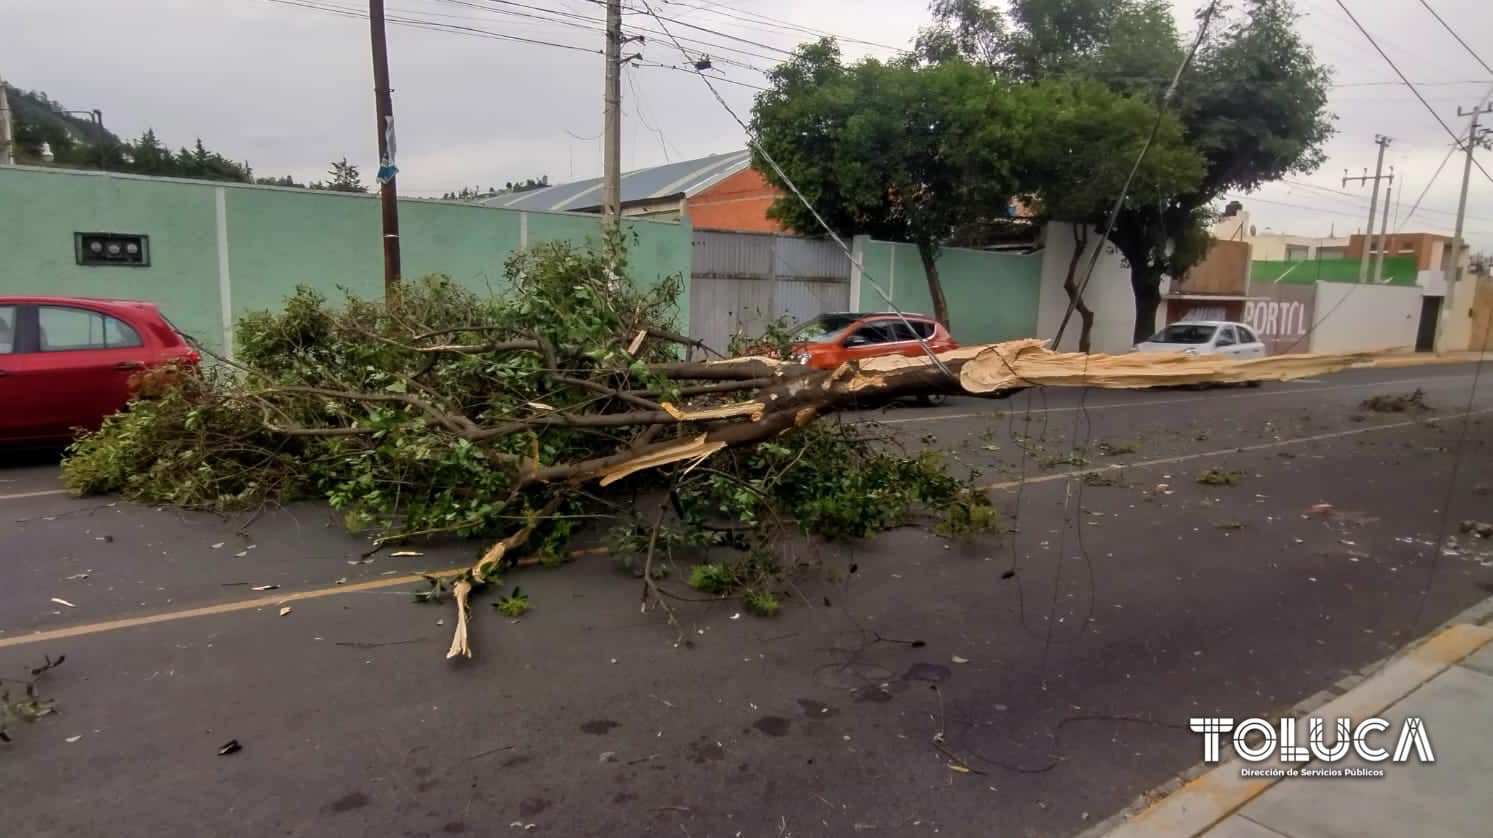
(721, 191)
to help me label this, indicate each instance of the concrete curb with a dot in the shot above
(1204, 795)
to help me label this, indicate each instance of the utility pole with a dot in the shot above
(1368, 238)
(1384, 231)
(1454, 256)
(384, 104)
(7, 131)
(611, 207)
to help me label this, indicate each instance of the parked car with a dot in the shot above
(67, 362)
(1206, 337)
(830, 340)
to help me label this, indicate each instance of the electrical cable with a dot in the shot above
(1413, 89)
(1453, 33)
(792, 187)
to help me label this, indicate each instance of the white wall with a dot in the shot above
(1352, 317)
(1108, 293)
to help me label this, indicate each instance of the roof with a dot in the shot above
(685, 178)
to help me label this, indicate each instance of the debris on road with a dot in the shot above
(230, 747)
(1219, 477)
(264, 587)
(406, 554)
(61, 601)
(1397, 404)
(284, 610)
(1481, 529)
(77, 576)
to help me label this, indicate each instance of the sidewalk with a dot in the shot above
(1446, 680)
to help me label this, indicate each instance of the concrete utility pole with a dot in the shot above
(1384, 231)
(7, 131)
(611, 207)
(384, 104)
(1368, 237)
(1454, 255)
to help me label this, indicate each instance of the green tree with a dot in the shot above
(344, 177)
(897, 151)
(1081, 141)
(1253, 106)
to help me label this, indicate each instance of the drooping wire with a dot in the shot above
(792, 187)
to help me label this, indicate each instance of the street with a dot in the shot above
(1031, 684)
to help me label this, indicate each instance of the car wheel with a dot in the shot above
(932, 399)
(1253, 383)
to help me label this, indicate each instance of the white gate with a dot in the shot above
(740, 282)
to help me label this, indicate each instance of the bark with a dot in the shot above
(1145, 282)
(928, 252)
(1075, 298)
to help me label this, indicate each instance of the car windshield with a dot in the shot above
(825, 327)
(1184, 333)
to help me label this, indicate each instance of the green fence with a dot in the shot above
(991, 296)
(220, 250)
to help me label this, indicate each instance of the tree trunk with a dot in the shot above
(1070, 285)
(928, 251)
(1145, 281)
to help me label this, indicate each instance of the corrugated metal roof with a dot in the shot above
(687, 177)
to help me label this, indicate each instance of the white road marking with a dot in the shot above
(40, 494)
(939, 417)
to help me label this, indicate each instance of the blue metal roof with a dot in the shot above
(687, 177)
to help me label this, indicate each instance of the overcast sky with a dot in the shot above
(288, 88)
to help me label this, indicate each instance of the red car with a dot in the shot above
(830, 340)
(67, 362)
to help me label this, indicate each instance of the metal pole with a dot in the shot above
(1368, 231)
(1454, 252)
(611, 209)
(1384, 232)
(7, 132)
(384, 103)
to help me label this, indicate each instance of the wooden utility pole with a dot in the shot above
(1454, 254)
(384, 103)
(1368, 231)
(611, 209)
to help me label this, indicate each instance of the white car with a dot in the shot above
(1206, 337)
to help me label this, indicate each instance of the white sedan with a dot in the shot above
(1206, 337)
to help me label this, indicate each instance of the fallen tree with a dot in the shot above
(513, 416)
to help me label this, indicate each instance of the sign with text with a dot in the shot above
(1283, 319)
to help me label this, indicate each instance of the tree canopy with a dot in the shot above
(1086, 77)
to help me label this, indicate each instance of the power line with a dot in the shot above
(1453, 33)
(1382, 54)
(769, 22)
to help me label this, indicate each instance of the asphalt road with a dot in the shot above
(1058, 664)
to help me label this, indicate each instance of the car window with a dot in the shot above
(7, 329)
(1226, 337)
(875, 332)
(1246, 336)
(1184, 333)
(923, 328)
(824, 328)
(64, 328)
(898, 330)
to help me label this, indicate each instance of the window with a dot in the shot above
(64, 329)
(1246, 336)
(1185, 333)
(923, 328)
(7, 329)
(898, 330)
(112, 249)
(1298, 253)
(824, 328)
(875, 332)
(1226, 337)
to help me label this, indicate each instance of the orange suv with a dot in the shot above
(832, 339)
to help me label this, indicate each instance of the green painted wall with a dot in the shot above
(277, 239)
(1398, 270)
(992, 296)
(40, 211)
